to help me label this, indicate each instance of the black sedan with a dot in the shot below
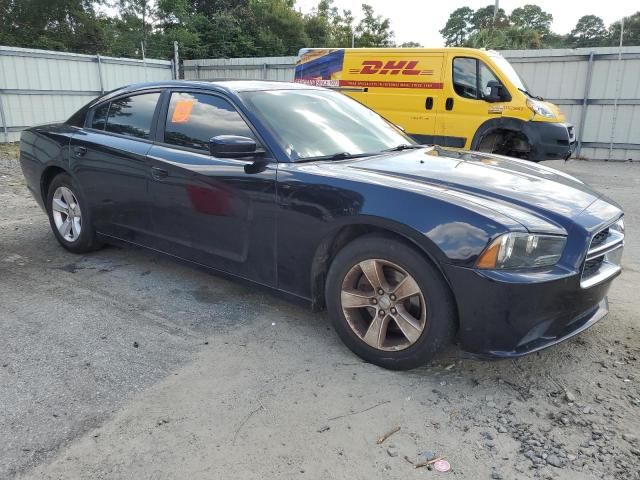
(309, 193)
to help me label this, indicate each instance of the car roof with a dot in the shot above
(233, 86)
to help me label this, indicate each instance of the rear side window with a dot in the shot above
(100, 117)
(194, 118)
(132, 116)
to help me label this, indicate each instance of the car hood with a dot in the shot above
(516, 188)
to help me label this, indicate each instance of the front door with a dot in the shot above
(108, 157)
(464, 108)
(218, 212)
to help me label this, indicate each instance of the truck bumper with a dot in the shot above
(550, 141)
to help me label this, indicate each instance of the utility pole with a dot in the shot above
(495, 12)
(176, 60)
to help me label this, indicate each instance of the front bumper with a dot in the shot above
(550, 141)
(503, 317)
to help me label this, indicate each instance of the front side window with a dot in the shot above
(194, 119)
(465, 78)
(471, 77)
(316, 123)
(132, 116)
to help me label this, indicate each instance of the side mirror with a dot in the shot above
(495, 92)
(232, 146)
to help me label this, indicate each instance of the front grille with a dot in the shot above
(603, 257)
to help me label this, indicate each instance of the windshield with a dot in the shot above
(322, 123)
(506, 68)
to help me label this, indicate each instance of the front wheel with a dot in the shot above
(388, 303)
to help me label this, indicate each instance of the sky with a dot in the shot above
(421, 20)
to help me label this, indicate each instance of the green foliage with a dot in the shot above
(203, 28)
(588, 32)
(532, 17)
(373, 30)
(530, 27)
(631, 34)
(458, 27)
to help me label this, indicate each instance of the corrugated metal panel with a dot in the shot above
(38, 86)
(561, 74)
(260, 68)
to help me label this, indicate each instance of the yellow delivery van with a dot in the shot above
(456, 97)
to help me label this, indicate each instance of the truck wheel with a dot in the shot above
(511, 144)
(69, 216)
(389, 304)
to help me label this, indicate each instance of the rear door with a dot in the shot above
(109, 160)
(218, 212)
(404, 86)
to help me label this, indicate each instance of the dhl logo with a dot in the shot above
(391, 67)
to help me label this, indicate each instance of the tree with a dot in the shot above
(317, 24)
(373, 30)
(631, 35)
(457, 28)
(532, 17)
(483, 18)
(342, 28)
(280, 30)
(588, 32)
(410, 45)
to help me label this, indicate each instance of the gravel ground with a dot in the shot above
(125, 364)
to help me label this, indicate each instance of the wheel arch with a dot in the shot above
(497, 124)
(48, 174)
(342, 235)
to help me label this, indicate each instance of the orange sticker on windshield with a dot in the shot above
(182, 112)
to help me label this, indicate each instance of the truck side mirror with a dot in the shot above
(495, 92)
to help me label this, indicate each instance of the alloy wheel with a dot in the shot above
(383, 305)
(67, 215)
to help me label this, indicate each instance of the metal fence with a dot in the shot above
(598, 89)
(39, 86)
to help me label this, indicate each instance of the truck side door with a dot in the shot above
(463, 105)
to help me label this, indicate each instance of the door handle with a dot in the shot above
(428, 104)
(79, 151)
(449, 104)
(159, 173)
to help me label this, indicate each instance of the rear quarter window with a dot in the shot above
(132, 116)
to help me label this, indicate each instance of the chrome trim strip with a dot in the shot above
(606, 271)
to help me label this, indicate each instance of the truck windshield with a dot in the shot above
(321, 124)
(506, 68)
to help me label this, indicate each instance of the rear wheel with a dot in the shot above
(388, 303)
(69, 216)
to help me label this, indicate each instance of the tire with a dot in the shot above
(347, 284)
(65, 203)
(510, 144)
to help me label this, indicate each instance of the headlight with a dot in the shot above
(539, 108)
(522, 250)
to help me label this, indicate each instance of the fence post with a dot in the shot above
(617, 93)
(5, 127)
(100, 74)
(585, 102)
(264, 71)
